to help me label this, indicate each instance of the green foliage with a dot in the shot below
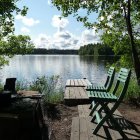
(20, 44)
(10, 44)
(1, 87)
(89, 49)
(133, 90)
(119, 20)
(111, 12)
(22, 85)
(48, 86)
(8, 8)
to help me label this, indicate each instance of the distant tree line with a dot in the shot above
(95, 49)
(53, 51)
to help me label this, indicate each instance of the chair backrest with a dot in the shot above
(110, 78)
(122, 83)
(10, 84)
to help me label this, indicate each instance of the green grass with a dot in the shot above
(133, 90)
(48, 86)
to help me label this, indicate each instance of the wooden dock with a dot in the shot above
(82, 127)
(75, 92)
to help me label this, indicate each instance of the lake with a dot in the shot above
(29, 67)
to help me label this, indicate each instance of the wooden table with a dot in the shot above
(28, 94)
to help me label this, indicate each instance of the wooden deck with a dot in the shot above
(82, 127)
(77, 83)
(75, 92)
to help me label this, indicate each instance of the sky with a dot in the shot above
(43, 25)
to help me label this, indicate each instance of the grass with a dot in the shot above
(48, 86)
(133, 91)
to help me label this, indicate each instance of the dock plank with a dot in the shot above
(72, 82)
(87, 82)
(68, 82)
(83, 93)
(106, 132)
(77, 82)
(83, 82)
(66, 95)
(72, 93)
(83, 129)
(75, 129)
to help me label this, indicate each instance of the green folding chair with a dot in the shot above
(108, 84)
(104, 98)
(106, 87)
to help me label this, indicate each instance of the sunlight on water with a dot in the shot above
(29, 67)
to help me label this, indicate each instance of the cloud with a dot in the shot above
(43, 41)
(25, 30)
(64, 39)
(59, 22)
(60, 40)
(27, 21)
(49, 2)
(90, 36)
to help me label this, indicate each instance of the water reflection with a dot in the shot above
(67, 66)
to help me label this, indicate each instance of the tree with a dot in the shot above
(120, 17)
(20, 44)
(10, 44)
(7, 10)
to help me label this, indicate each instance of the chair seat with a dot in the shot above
(101, 96)
(96, 88)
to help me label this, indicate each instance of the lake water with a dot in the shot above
(28, 67)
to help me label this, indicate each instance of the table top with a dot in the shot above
(27, 94)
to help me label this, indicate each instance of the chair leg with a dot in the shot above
(108, 115)
(91, 105)
(93, 109)
(117, 126)
(99, 111)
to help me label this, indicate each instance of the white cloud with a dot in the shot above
(60, 40)
(43, 41)
(64, 39)
(59, 22)
(25, 30)
(49, 2)
(27, 21)
(90, 36)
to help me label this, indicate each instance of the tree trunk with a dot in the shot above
(135, 56)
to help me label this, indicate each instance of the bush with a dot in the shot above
(48, 86)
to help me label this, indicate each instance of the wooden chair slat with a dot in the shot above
(108, 84)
